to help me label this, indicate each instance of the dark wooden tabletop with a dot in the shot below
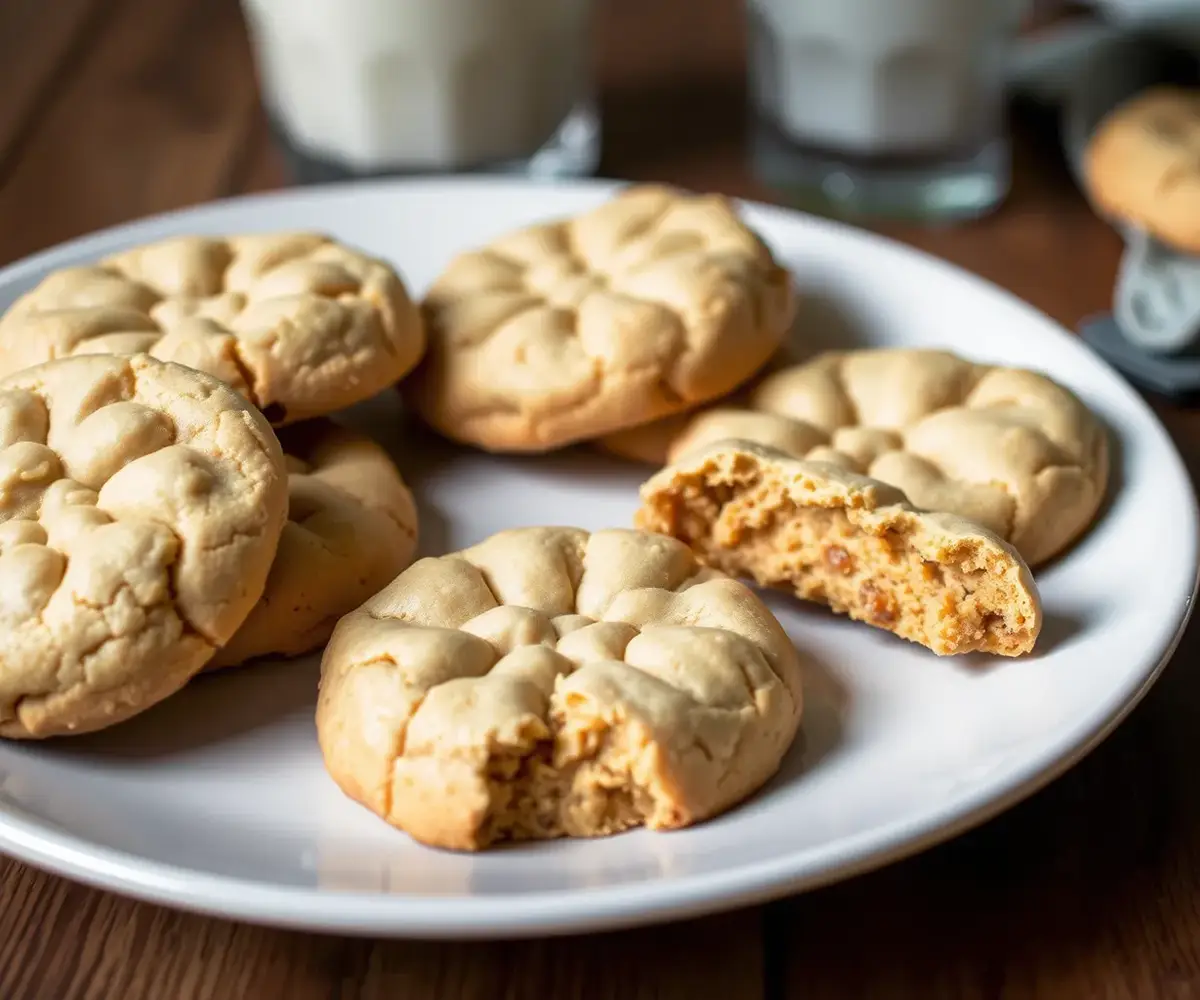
(111, 109)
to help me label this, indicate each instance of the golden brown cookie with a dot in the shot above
(646, 306)
(849, 542)
(298, 323)
(550, 683)
(140, 507)
(1006, 447)
(1142, 165)
(351, 527)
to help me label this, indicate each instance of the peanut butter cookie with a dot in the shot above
(850, 542)
(646, 306)
(351, 527)
(297, 323)
(550, 683)
(1142, 165)
(140, 507)
(1006, 447)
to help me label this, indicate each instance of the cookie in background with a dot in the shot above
(1142, 165)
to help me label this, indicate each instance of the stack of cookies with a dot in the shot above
(176, 499)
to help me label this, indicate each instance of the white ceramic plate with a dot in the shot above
(217, 800)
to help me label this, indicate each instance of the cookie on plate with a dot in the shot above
(298, 323)
(850, 542)
(562, 332)
(550, 683)
(647, 443)
(1142, 165)
(141, 504)
(1006, 447)
(351, 527)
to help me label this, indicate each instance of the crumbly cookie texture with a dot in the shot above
(351, 527)
(297, 323)
(550, 683)
(562, 332)
(140, 507)
(1006, 447)
(1142, 165)
(850, 542)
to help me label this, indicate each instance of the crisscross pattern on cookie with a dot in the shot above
(548, 682)
(297, 323)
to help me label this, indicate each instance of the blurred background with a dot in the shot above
(947, 123)
(952, 125)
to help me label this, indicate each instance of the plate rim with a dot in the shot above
(548, 914)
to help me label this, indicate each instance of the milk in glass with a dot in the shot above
(426, 85)
(882, 98)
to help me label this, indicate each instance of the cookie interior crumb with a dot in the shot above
(577, 783)
(878, 563)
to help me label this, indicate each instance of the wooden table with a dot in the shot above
(112, 109)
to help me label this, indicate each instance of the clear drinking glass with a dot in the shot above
(375, 87)
(886, 107)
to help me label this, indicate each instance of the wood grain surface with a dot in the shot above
(111, 109)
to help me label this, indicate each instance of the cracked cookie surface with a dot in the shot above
(1142, 165)
(550, 683)
(850, 542)
(1006, 447)
(298, 323)
(351, 527)
(565, 331)
(140, 506)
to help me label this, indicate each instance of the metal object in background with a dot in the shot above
(1157, 301)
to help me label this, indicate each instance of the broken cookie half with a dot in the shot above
(850, 542)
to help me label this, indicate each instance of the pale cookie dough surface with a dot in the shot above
(647, 443)
(849, 542)
(297, 323)
(140, 507)
(1006, 447)
(1142, 165)
(550, 683)
(646, 306)
(351, 527)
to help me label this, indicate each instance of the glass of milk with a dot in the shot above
(365, 87)
(892, 107)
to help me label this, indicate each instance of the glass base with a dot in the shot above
(573, 151)
(941, 190)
